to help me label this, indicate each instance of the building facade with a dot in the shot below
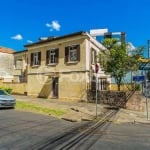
(64, 67)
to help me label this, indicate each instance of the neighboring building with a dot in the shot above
(20, 63)
(6, 64)
(101, 34)
(63, 67)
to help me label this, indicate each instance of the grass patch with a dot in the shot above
(39, 109)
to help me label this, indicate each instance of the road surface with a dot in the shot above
(29, 131)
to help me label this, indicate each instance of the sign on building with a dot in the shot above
(138, 78)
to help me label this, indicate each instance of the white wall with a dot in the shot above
(6, 64)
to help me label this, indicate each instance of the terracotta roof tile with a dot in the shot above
(6, 50)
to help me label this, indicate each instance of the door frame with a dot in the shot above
(55, 87)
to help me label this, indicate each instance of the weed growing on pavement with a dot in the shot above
(39, 109)
(97, 119)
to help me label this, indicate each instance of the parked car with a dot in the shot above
(6, 100)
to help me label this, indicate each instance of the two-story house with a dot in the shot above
(63, 67)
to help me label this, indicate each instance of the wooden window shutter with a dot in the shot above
(78, 52)
(31, 60)
(47, 56)
(66, 54)
(57, 54)
(39, 58)
(95, 57)
(91, 56)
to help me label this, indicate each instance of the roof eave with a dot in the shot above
(56, 38)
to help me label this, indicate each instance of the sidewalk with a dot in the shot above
(129, 116)
(77, 111)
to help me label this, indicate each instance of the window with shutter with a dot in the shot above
(72, 53)
(31, 61)
(93, 57)
(57, 55)
(35, 59)
(39, 58)
(66, 54)
(78, 52)
(52, 56)
(47, 56)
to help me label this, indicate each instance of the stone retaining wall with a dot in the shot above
(113, 98)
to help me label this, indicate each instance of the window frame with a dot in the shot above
(36, 59)
(20, 65)
(69, 50)
(52, 56)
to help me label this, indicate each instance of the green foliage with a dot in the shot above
(110, 42)
(8, 90)
(116, 61)
(137, 87)
(132, 63)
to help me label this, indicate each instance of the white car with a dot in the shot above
(6, 100)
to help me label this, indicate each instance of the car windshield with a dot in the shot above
(3, 92)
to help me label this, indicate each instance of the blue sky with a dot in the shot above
(25, 21)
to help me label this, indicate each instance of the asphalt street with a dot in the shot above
(25, 131)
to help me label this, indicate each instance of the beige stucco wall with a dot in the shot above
(72, 86)
(61, 66)
(36, 84)
(17, 88)
(6, 64)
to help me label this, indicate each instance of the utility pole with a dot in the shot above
(96, 71)
(147, 84)
(146, 95)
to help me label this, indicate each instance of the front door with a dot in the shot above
(55, 87)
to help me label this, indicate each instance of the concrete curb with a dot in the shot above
(71, 120)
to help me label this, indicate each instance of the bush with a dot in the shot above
(137, 87)
(8, 90)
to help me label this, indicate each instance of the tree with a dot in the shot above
(116, 61)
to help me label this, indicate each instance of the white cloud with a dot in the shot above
(48, 25)
(17, 37)
(54, 25)
(29, 41)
